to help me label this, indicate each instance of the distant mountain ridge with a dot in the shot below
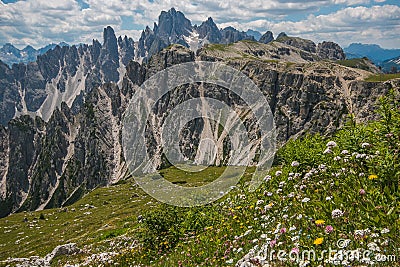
(373, 51)
(9, 54)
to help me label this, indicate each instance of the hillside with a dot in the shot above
(339, 192)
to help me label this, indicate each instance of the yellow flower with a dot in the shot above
(372, 177)
(318, 241)
(319, 222)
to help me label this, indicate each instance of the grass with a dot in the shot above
(383, 77)
(358, 63)
(320, 190)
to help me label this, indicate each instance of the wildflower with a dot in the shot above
(331, 144)
(373, 177)
(373, 246)
(299, 216)
(328, 198)
(362, 192)
(344, 152)
(364, 145)
(319, 222)
(229, 261)
(327, 151)
(337, 213)
(318, 241)
(329, 229)
(359, 233)
(337, 158)
(272, 243)
(385, 231)
(278, 173)
(267, 178)
(292, 228)
(304, 200)
(295, 250)
(322, 167)
(295, 163)
(259, 202)
(269, 206)
(361, 174)
(283, 230)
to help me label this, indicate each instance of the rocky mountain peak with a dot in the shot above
(109, 36)
(281, 35)
(267, 37)
(173, 24)
(209, 30)
(330, 50)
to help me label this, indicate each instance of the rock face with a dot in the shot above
(208, 30)
(64, 74)
(267, 38)
(51, 164)
(80, 95)
(9, 54)
(330, 50)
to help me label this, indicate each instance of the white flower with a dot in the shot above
(337, 213)
(361, 174)
(229, 261)
(303, 186)
(344, 152)
(278, 173)
(267, 178)
(279, 190)
(299, 216)
(264, 236)
(373, 246)
(327, 151)
(385, 231)
(364, 145)
(269, 194)
(281, 184)
(359, 233)
(259, 202)
(328, 198)
(337, 158)
(331, 144)
(239, 250)
(295, 164)
(292, 228)
(304, 200)
(290, 195)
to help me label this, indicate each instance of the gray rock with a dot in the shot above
(267, 37)
(330, 50)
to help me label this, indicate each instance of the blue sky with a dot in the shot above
(39, 22)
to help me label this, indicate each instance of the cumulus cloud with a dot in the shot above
(377, 24)
(38, 22)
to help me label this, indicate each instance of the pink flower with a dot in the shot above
(295, 250)
(272, 243)
(329, 229)
(362, 192)
(283, 230)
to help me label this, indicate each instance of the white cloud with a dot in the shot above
(38, 22)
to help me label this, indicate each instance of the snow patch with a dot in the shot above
(193, 41)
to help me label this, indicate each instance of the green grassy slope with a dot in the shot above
(296, 208)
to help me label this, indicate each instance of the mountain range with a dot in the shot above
(9, 54)
(62, 113)
(385, 58)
